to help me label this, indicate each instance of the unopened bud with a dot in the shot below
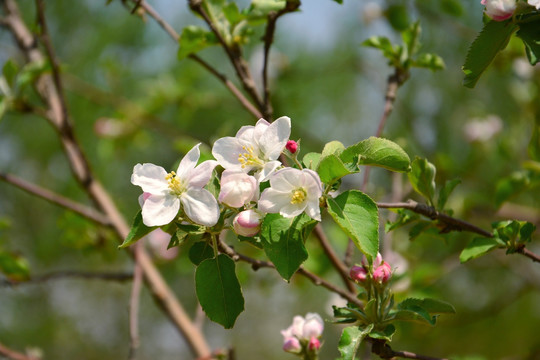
(292, 345)
(358, 274)
(382, 273)
(314, 344)
(292, 146)
(376, 262)
(247, 223)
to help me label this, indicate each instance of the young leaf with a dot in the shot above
(219, 291)
(283, 241)
(14, 266)
(194, 39)
(311, 160)
(413, 313)
(138, 230)
(478, 247)
(358, 216)
(422, 178)
(350, 340)
(385, 334)
(331, 169)
(200, 251)
(333, 147)
(378, 152)
(492, 39)
(530, 34)
(445, 192)
(10, 71)
(382, 43)
(429, 61)
(184, 233)
(410, 38)
(432, 306)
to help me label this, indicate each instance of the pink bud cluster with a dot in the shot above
(303, 335)
(382, 271)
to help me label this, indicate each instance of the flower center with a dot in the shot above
(175, 184)
(249, 158)
(298, 196)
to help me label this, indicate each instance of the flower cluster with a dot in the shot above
(382, 271)
(249, 159)
(500, 10)
(303, 336)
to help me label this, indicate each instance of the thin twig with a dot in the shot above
(81, 171)
(78, 208)
(382, 349)
(334, 259)
(257, 264)
(174, 35)
(14, 355)
(57, 275)
(525, 252)
(134, 304)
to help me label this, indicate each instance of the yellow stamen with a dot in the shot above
(298, 196)
(249, 158)
(175, 184)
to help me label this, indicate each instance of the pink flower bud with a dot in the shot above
(376, 262)
(499, 10)
(313, 326)
(292, 146)
(247, 223)
(358, 274)
(237, 188)
(382, 273)
(314, 344)
(292, 345)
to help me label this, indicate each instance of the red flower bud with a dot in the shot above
(292, 146)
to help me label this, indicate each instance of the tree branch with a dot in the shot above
(382, 349)
(134, 303)
(85, 211)
(120, 277)
(525, 252)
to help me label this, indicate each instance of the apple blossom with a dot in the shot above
(237, 188)
(292, 345)
(499, 10)
(292, 192)
(166, 192)
(382, 273)
(535, 3)
(254, 148)
(303, 332)
(358, 274)
(247, 223)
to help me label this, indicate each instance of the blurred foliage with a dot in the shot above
(133, 101)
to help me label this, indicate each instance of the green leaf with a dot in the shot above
(422, 178)
(200, 251)
(492, 39)
(432, 62)
(311, 160)
(432, 306)
(397, 16)
(404, 217)
(30, 72)
(358, 216)
(445, 192)
(195, 39)
(385, 334)
(350, 340)
(331, 169)
(478, 247)
(283, 241)
(526, 231)
(333, 147)
(185, 233)
(530, 34)
(138, 230)
(451, 7)
(419, 228)
(383, 43)
(10, 71)
(260, 9)
(378, 152)
(219, 291)
(415, 315)
(14, 266)
(411, 38)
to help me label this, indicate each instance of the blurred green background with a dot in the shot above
(132, 101)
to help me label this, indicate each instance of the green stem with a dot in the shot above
(215, 245)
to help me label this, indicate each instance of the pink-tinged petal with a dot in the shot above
(268, 169)
(150, 177)
(189, 162)
(199, 177)
(297, 327)
(358, 274)
(200, 206)
(313, 326)
(314, 344)
(237, 188)
(286, 179)
(227, 150)
(274, 139)
(313, 210)
(292, 210)
(247, 223)
(292, 345)
(160, 210)
(272, 201)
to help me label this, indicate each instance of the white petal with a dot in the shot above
(200, 176)
(272, 201)
(292, 210)
(274, 139)
(287, 179)
(260, 128)
(313, 210)
(246, 133)
(160, 209)
(226, 151)
(237, 188)
(268, 169)
(200, 206)
(150, 177)
(316, 184)
(188, 162)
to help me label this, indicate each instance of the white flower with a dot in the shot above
(238, 188)
(499, 10)
(292, 192)
(311, 326)
(535, 3)
(254, 148)
(166, 191)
